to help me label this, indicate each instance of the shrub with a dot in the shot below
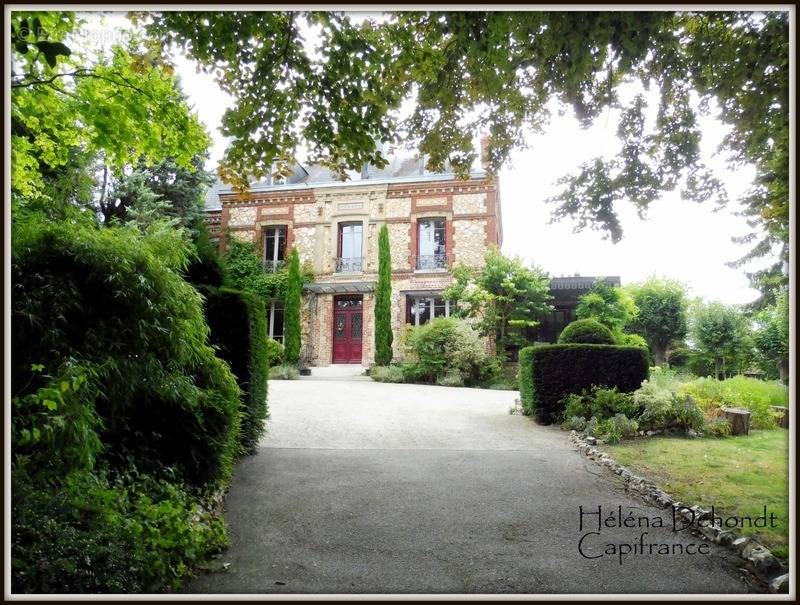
(503, 383)
(605, 403)
(393, 373)
(687, 414)
(719, 427)
(599, 402)
(558, 370)
(412, 372)
(238, 330)
(664, 409)
(453, 378)
(616, 428)
(284, 372)
(274, 352)
(112, 302)
(656, 405)
(634, 340)
(586, 331)
(591, 426)
(577, 405)
(92, 535)
(446, 344)
(749, 393)
(631, 340)
(574, 423)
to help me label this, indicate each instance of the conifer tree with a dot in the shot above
(291, 332)
(383, 301)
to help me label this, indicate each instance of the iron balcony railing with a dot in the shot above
(273, 265)
(432, 261)
(349, 265)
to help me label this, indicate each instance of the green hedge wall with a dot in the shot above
(238, 325)
(526, 379)
(105, 300)
(549, 373)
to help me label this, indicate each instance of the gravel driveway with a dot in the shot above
(361, 487)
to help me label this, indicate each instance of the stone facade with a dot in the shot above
(470, 203)
(313, 216)
(470, 241)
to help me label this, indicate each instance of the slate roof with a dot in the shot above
(311, 175)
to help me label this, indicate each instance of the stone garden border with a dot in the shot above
(759, 560)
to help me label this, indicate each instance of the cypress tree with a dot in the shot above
(291, 330)
(383, 301)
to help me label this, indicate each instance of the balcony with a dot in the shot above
(349, 265)
(432, 262)
(271, 266)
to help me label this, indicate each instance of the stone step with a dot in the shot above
(337, 371)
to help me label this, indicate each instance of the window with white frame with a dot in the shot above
(421, 309)
(274, 246)
(431, 244)
(275, 320)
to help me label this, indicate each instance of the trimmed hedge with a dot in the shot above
(550, 373)
(107, 300)
(206, 268)
(238, 325)
(586, 331)
(526, 379)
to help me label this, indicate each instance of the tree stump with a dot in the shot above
(739, 419)
(783, 418)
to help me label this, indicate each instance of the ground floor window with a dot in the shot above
(421, 309)
(275, 320)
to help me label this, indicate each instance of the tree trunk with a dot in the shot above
(783, 415)
(783, 370)
(739, 419)
(659, 355)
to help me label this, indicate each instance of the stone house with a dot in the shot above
(434, 219)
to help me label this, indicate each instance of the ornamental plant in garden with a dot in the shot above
(383, 301)
(291, 330)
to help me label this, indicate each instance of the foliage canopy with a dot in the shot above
(504, 296)
(504, 73)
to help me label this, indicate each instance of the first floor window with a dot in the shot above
(275, 320)
(350, 239)
(274, 247)
(421, 309)
(431, 244)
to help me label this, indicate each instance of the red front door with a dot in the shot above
(347, 329)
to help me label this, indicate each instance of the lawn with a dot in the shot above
(737, 475)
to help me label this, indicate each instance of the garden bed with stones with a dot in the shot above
(760, 562)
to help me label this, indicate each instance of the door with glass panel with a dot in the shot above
(348, 327)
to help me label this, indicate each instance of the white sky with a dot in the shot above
(678, 239)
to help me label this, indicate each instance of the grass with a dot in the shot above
(749, 393)
(737, 475)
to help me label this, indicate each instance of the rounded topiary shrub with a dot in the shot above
(586, 331)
